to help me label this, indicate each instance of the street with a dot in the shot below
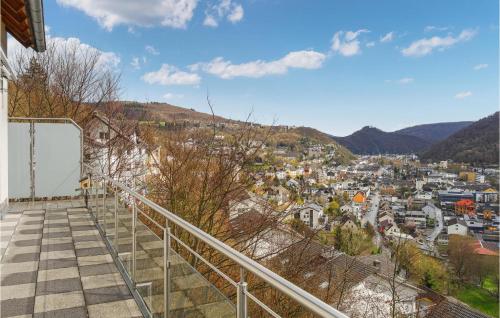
(371, 217)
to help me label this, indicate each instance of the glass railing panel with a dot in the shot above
(149, 276)
(192, 295)
(123, 243)
(108, 217)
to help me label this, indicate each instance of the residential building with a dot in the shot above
(454, 195)
(457, 226)
(346, 222)
(465, 206)
(311, 214)
(359, 198)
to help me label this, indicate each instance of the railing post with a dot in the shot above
(104, 205)
(134, 243)
(166, 271)
(96, 203)
(116, 220)
(242, 297)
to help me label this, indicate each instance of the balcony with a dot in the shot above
(106, 254)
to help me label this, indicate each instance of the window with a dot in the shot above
(103, 135)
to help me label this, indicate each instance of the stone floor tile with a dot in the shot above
(17, 307)
(58, 301)
(59, 273)
(126, 308)
(78, 312)
(58, 286)
(98, 269)
(99, 281)
(57, 255)
(17, 291)
(92, 260)
(57, 263)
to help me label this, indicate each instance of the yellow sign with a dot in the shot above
(85, 183)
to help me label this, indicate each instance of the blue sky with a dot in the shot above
(333, 64)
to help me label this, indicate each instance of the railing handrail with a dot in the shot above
(296, 293)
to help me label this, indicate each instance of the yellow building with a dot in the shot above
(468, 176)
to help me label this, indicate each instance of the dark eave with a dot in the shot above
(23, 19)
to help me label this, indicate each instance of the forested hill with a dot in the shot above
(476, 144)
(370, 140)
(434, 132)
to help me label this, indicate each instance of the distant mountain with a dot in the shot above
(475, 144)
(434, 132)
(370, 140)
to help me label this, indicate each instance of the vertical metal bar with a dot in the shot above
(96, 202)
(116, 220)
(32, 161)
(166, 271)
(134, 243)
(104, 205)
(242, 297)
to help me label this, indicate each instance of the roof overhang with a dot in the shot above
(23, 19)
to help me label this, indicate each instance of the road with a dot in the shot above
(371, 216)
(439, 226)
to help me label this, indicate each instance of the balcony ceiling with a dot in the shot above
(20, 22)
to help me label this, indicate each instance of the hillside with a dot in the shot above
(434, 132)
(475, 144)
(163, 112)
(370, 140)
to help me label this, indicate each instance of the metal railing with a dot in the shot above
(302, 297)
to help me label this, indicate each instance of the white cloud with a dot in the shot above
(227, 9)
(346, 43)
(406, 80)
(463, 95)
(210, 21)
(425, 46)
(136, 64)
(387, 38)
(370, 44)
(152, 50)
(480, 67)
(226, 69)
(236, 15)
(170, 96)
(431, 28)
(110, 13)
(171, 75)
(107, 60)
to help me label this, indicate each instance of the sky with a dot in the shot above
(334, 65)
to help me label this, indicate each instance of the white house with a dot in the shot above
(281, 175)
(292, 184)
(458, 227)
(386, 216)
(311, 214)
(118, 151)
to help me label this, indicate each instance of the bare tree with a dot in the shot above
(67, 80)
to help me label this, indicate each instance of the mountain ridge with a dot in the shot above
(435, 131)
(475, 144)
(373, 141)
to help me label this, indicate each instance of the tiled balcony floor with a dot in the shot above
(55, 264)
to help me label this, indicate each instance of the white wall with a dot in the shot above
(4, 175)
